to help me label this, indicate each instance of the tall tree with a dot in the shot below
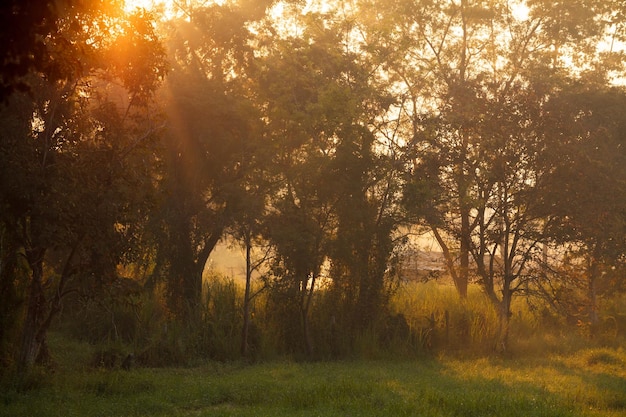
(466, 71)
(300, 217)
(335, 199)
(80, 143)
(210, 145)
(587, 196)
(447, 60)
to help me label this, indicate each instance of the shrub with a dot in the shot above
(222, 321)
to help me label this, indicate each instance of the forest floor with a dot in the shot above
(589, 382)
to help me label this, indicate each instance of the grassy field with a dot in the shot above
(587, 383)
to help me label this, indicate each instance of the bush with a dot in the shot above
(439, 320)
(422, 318)
(222, 319)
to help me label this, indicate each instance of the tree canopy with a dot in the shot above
(323, 131)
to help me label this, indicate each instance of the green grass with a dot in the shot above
(588, 383)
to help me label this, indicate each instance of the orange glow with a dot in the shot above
(167, 9)
(131, 5)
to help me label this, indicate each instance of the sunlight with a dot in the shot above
(520, 11)
(168, 8)
(131, 5)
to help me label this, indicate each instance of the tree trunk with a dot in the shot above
(8, 294)
(460, 280)
(306, 306)
(594, 318)
(463, 275)
(464, 207)
(306, 332)
(35, 327)
(504, 316)
(246, 300)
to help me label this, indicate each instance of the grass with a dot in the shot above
(588, 383)
(545, 374)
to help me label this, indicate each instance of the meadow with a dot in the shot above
(589, 382)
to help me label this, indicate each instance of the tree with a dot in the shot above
(25, 26)
(440, 56)
(83, 155)
(209, 146)
(334, 203)
(587, 189)
(473, 79)
(248, 234)
(246, 229)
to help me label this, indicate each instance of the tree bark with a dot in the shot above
(460, 280)
(304, 313)
(34, 331)
(246, 299)
(594, 318)
(8, 293)
(504, 316)
(463, 275)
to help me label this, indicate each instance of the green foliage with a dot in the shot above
(335, 199)
(222, 318)
(322, 137)
(213, 334)
(76, 160)
(211, 149)
(424, 319)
